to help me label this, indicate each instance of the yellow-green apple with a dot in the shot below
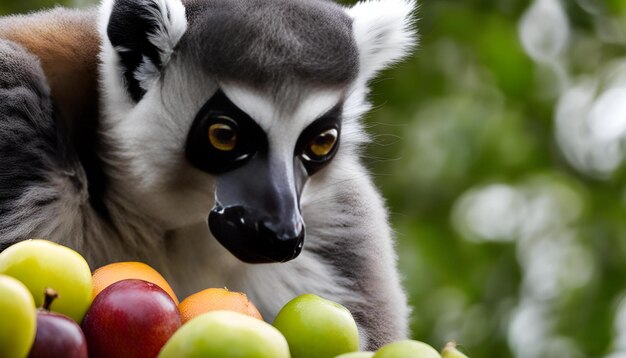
(226, 334)
(41, 264)
(407, 349)
(17, 326)
(317, 328)
(356, 355)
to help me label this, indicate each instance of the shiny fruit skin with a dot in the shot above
(317, 328)
(107, 275)
(58, 336)
(18, 322)
(130, 318)
(226, 334)
(39, 264)
(356, 355)
(407, 349)
(216, 299)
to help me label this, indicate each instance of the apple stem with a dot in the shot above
(49, 296)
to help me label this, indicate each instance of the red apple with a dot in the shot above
(130, 318)
(58, 336)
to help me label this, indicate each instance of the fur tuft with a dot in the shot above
(385, 33)
(138, 39)
(171, 26)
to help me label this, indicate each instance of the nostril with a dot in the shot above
(287, 240)
(281, 231)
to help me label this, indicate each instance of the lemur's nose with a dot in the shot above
(256, 239)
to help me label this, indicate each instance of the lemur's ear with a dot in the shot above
(141, 36)
(384, 32)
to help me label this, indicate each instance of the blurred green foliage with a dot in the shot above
(511, 225)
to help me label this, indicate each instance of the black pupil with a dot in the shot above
(325, 140)
(224, 135)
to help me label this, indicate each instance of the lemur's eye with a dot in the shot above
(319, 142)
(322, 145)
(223, 136)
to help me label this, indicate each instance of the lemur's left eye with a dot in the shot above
(322, 145)
(223, 136)
(318, 150)
(319, 142)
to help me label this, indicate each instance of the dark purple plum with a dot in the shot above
(58, 336)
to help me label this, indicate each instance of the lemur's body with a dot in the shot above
(84, 172)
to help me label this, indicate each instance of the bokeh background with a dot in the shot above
(500, 147)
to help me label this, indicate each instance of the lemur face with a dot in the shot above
(282, 68)
(262, 157)
(226, 108)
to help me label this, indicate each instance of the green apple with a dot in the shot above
(226, 334)
(40, 264)
(451, 351)
(19, 317)
(356, 355)
(317, 328)
(407, 349)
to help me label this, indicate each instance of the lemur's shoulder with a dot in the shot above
(67, 44)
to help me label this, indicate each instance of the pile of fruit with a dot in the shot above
(127, 309)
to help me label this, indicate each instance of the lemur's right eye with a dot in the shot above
(223, 136)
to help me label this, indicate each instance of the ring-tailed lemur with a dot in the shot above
(124, 130)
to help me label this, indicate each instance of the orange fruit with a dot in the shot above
(216, 299)
(112, 273)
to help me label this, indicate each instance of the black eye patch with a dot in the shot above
(316, 135)
(223, 137)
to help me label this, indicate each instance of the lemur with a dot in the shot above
(217, 140)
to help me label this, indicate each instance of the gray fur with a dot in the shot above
(33, 159)
(43, 187)
(156, 203)
(357, 242)
(271, 42)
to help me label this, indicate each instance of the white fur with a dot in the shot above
(147, 74)
(148, 138)
(150, 143)
(115, 101)
(283, 127)
(384, 33)
(171, 26)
